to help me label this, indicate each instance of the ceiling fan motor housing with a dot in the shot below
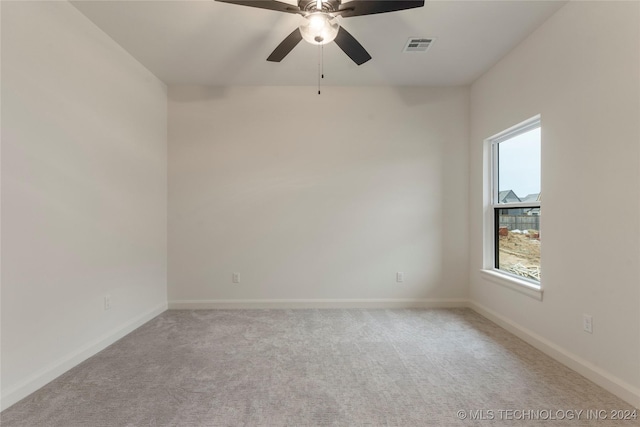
(328, 6)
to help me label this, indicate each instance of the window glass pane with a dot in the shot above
(519, 168)
(518, 242)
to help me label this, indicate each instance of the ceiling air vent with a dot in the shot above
(416, 44)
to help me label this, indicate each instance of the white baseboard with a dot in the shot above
(316, 303)
(62, 365)
(620, 388)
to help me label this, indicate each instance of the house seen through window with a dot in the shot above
(516, 201)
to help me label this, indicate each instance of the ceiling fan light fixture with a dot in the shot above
(319, 28)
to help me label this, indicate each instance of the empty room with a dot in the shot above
(319, 213)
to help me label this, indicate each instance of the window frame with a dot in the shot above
(490, 271)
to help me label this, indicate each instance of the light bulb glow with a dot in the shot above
(319, 28)
(317, 22)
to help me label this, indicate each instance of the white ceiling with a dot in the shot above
(212, 43)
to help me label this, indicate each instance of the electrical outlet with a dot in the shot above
(400, 276)
(107, 302)
(587, 323)
(235, 277)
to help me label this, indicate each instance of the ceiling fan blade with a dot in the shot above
(265, 4)
(351, 47)
(370, 7)
(286, 46)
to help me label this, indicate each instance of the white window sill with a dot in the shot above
(523, 286)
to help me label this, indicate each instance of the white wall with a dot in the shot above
(84, 181)
(317, 198)
(581, 72)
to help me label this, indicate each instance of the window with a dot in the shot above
(515, 199)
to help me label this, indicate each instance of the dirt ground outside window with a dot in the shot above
(519, 253)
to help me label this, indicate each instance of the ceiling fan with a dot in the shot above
(321, 25)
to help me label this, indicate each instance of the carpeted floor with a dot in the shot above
(318, 368)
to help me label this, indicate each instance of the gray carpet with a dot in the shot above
(316, 368)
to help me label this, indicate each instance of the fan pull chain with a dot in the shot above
(322, 61)
(319, 66)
